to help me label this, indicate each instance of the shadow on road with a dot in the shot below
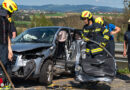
(70, 84)
(34, 83)
(76, 85)
(64, 76)
(87, 86)
(123, 77)
(24, 83)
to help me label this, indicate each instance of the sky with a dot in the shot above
(110, 3)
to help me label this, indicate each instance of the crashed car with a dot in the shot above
(42, 52)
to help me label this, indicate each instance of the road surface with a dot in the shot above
(66, 82)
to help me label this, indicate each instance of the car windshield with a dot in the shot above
(37, 35)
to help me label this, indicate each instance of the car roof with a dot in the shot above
(59, 27)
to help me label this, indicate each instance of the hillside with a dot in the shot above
(71, 8)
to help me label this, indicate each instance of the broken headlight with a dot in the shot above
(30, 56)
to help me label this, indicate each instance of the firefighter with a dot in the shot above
(127, 44)
(96, 32)
(6, 54)
(113, 30)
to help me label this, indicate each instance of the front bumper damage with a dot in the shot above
(24, 68)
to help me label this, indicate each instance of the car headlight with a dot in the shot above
(28, 57)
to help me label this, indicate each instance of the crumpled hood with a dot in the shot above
(21, 47)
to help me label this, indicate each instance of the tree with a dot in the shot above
(126, 10)
(40, 21)
(69, 21)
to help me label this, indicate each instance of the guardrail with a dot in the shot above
(121, 61)
(119, 53)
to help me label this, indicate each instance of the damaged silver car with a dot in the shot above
(42, 52)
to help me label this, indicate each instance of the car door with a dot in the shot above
(71, 54)
(74, 46)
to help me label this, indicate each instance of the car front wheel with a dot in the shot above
(46, 75)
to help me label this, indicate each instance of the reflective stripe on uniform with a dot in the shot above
(103, 44)
(96, 50)
(98, 29)
(86, 31)
(106, 37)
(105, 31)
(85, 38)
(87, 50)
(82, 35)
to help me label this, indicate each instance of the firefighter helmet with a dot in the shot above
(86, 14)
(9, 5)
(99, 20)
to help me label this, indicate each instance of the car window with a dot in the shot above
(77, 34)
(37, 35)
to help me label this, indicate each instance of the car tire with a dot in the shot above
(46, 75)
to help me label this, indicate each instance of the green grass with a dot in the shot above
(124, 71)
(23, 22)
(108, 14)
(55, 14)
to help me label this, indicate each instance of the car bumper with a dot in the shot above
(27, 66)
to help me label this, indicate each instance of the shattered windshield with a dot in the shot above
(37, 35)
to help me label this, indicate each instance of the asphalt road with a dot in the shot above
(66, 82)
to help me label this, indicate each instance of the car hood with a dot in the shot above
(21, 47)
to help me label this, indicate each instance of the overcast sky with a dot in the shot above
(110, 3)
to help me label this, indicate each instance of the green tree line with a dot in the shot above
(40, 21)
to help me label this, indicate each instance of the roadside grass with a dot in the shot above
(108, 14)
(50, 15)
(55, 14)
(23, 22)
(124, 71)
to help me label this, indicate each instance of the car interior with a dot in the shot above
(64, 47)
(61, 44)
